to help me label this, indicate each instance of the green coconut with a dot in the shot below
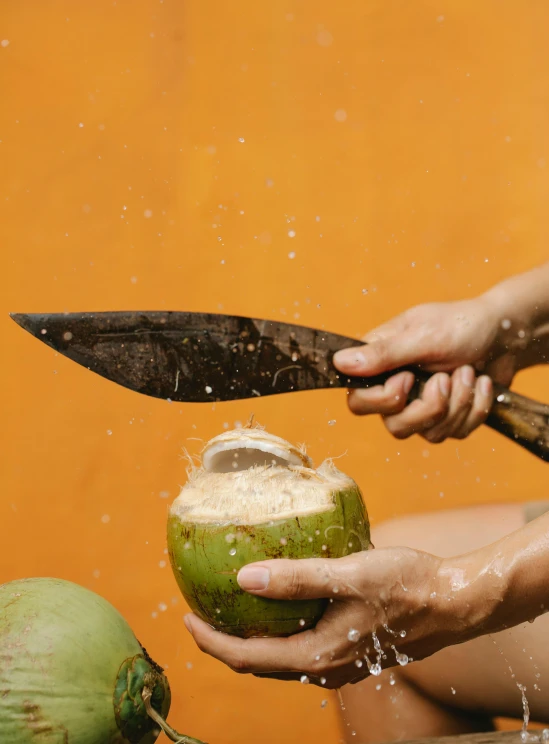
(255, 497)
(73, 672)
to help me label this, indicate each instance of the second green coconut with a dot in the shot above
(256, 497)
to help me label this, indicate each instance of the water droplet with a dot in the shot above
(324, 547)
(230, 537)
(187, 546)
(340, 115)
(452, 690)
(353, 635)
(208, 389)
(324, 703)
(291, 233)
(109, 432)
(189, 665)
(43, 331)
(506, 324)
(358, 663)
(364, 291)
(162, 607)
(148, 213)
(304, 679)
(392, 679)
(105, 519)
(302, 622)
(5, 43)
(378, 687)
(232, 551)
(323, 680)
(291, 254)
(283, 541)
(67, 336)
(331, 422)
(402, 659)
(162, 564)
(241, 140)
(324, 38)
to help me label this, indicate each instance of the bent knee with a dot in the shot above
(450, 532)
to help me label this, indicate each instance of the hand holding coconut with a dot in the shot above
(497, 334)
(387, 607)
(377, 602)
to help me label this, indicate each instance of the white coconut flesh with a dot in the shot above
(249, 476)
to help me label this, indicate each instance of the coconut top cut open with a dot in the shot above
(249, 476)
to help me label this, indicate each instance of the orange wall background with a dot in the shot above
(155, 155)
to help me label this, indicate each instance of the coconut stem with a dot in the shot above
(171, 733)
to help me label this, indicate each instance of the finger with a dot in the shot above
(482, 403)
(460, 404)
(385, 399)
(284, 676)
(283, 578)
(253, 655)
(379, 356)
(424, 412)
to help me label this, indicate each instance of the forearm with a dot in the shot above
(521, 305)
(502, 585)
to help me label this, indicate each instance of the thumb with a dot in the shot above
(305, 578)
(381, 355)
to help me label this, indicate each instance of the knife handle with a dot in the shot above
(520, 419)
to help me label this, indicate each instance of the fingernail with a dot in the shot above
(444, 385)
(408, 383)
(349, 358)
(485, 385)
(188, 625)
(468, 376)
(253, 577)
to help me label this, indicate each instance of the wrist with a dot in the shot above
(471, 590)
(519, 307)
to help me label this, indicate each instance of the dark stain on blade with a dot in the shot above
(195, 357)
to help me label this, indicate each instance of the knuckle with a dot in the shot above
(239, 664)
(356, 404)
(434, 437)
(437, 412)
(293, 583)
(315, 667)
(380, 351)
(397, 429)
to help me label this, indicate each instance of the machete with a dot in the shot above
(196, 357)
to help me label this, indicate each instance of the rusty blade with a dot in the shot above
(196, 357)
